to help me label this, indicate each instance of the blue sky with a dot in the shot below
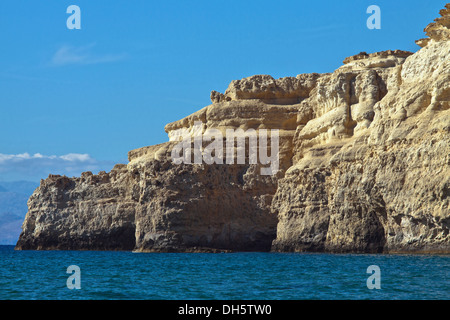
(75, 100)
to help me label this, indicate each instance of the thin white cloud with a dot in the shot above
(71, 157)
(76, 157)
(38, 166)
(70, 55)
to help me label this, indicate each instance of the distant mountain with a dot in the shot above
(13, 207)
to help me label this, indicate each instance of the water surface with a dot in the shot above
(127, 275)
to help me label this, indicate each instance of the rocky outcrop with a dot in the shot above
(95, 212)
(363, 166)
(289, 90)
(439, 30)
(371, 169)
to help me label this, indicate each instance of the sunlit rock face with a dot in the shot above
(363, 166)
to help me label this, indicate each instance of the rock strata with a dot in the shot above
(364, 156)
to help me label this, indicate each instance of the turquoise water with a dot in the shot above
(127, 275)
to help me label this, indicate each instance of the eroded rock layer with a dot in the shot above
(364, 156)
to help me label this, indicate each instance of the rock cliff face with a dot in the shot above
(364, 158)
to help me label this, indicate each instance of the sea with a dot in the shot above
(119, 275)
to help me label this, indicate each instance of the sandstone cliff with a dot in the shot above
(364, 156)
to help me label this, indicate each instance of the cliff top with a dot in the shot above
(439, 29)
